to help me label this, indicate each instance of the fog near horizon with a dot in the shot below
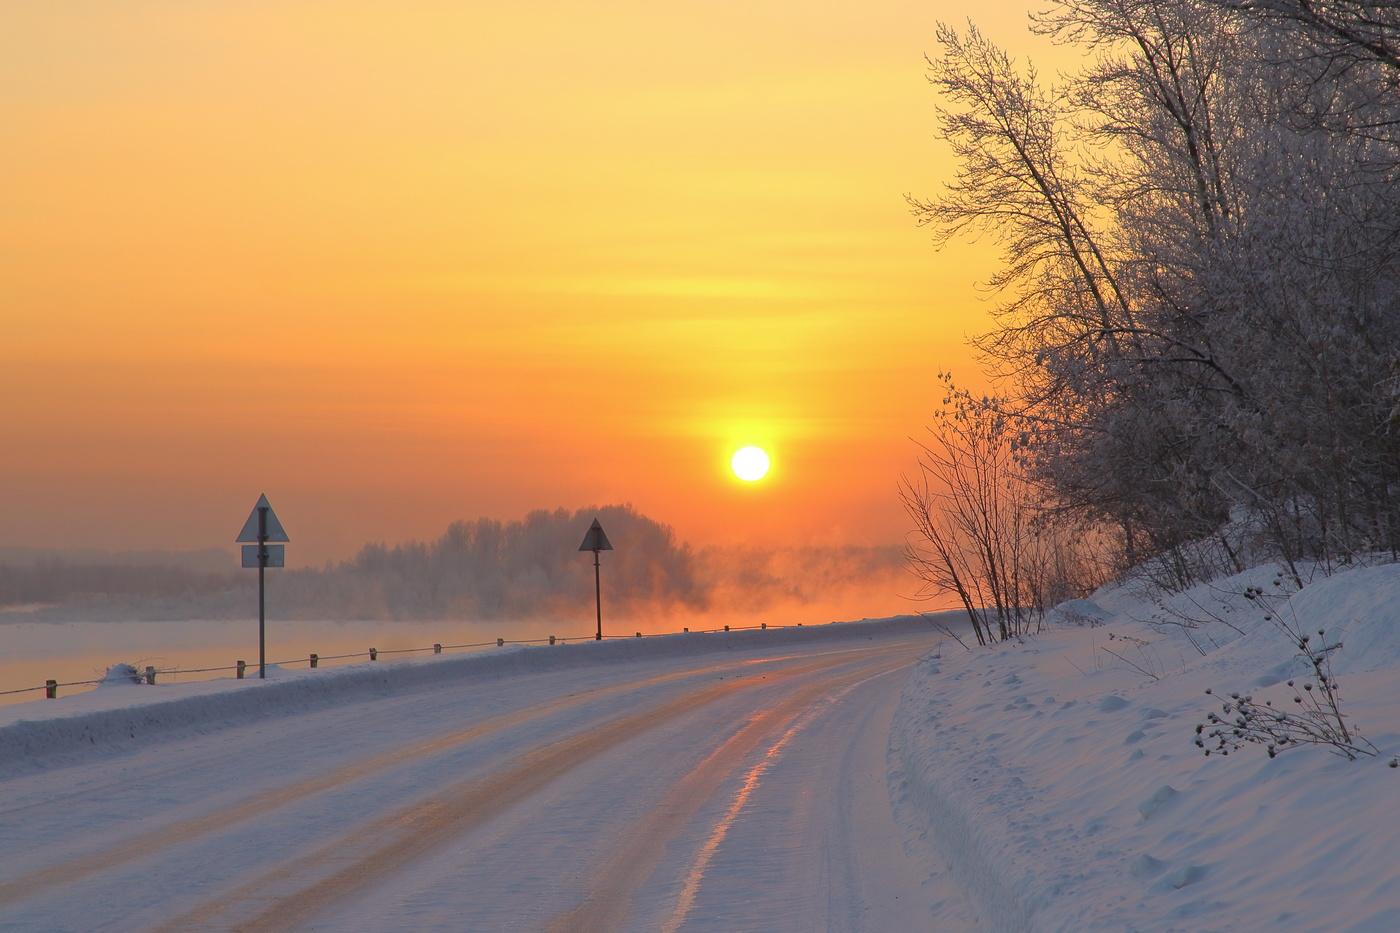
(71, 614)
(482, 570)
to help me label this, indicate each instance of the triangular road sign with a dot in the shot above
(595, 540)
(275, 532)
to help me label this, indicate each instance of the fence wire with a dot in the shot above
(152, 672)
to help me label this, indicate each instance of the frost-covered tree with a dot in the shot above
(1201, 333)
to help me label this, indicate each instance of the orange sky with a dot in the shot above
(398, 263)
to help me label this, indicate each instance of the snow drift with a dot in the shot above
(1060, 780)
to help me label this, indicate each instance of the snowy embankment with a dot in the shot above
(121, 714)
(1060, 781)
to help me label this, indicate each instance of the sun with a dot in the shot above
(750, 464)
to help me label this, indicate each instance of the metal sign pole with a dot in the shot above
(262, 526)
(596, 541)
(597, 595)
(262, 613)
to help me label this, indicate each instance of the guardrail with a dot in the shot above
(240, 668)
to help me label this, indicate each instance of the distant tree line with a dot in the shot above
(483, 569)
(54, 582)
(491, 569)
(1198, 348)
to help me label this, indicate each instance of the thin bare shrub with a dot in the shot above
(977, 533)
(1315, 717)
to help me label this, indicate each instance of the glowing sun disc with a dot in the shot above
(749, 464)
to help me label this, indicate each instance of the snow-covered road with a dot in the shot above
(739, 789)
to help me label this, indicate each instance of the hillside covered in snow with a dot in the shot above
(1059, 779)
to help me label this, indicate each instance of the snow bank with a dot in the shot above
(1060, 780)
(122, 714)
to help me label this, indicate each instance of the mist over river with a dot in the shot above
(34, 652)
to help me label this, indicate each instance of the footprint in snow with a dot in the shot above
(1145, 866)
(1111, 704)
(1159, 799)
(1181, 877)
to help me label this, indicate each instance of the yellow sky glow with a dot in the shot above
(396, 264)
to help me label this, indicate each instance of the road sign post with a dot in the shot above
(596, 542)
(262, 527)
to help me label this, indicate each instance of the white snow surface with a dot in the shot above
(1062, 785)
(858, 777)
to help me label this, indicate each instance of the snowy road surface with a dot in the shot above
(734, 790)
